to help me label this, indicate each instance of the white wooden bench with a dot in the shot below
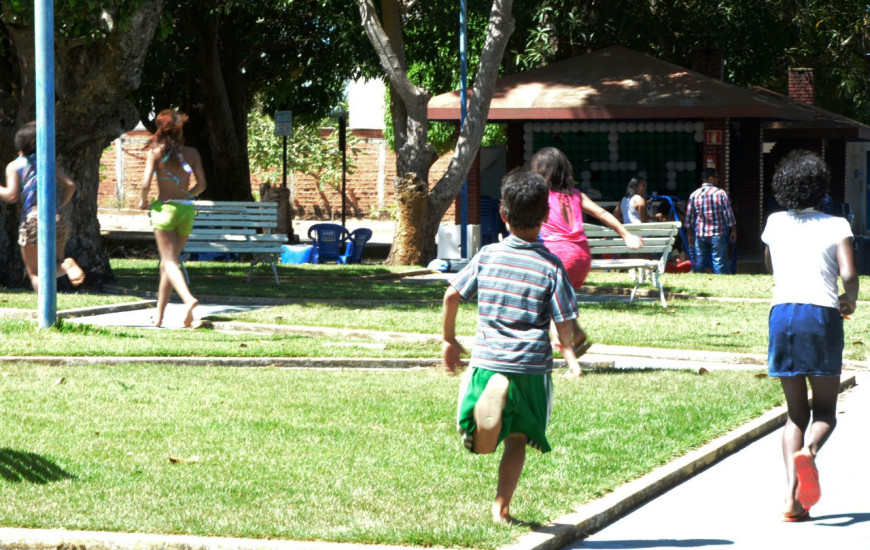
(237, 228)
(647, 261)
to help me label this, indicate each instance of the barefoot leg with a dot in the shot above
(170, 244)
(31, 264)
(509, 471)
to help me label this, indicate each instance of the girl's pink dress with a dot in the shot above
(563, 235)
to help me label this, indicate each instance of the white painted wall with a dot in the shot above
(366, 104)
(857, 184)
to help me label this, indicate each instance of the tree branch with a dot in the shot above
(388, 54)
(499, 29)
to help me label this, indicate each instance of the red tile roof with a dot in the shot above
(617, 83)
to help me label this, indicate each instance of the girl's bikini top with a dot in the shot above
(170, 176)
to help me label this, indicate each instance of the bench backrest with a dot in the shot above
(235, 217)
(658, 239)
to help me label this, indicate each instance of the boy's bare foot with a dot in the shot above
(487, 413)
(157, 321)
(73, 271)
(188, 319)
(501, 514)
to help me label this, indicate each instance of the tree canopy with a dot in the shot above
(99, 51)
(210, 62)
(760, 39)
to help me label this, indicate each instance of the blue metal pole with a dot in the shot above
(463, 111)
(46, 197)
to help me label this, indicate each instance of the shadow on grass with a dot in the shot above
(20, 466)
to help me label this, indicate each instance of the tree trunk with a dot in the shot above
(223, 113)
(93, 81)
(408, 241)
(414, 156)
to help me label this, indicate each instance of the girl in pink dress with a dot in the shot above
(563, 233)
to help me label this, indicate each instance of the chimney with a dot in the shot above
(709, 61)
(800, 85)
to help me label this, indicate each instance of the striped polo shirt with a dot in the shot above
(520, 286)
(709, 211)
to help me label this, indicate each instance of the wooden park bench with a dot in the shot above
(648, 262)
(236, 228)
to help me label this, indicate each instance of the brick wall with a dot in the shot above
(369, 189)
(133, 165)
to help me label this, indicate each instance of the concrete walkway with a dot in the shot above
(737, 503)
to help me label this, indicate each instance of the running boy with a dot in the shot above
(507, 394)
(807, 251)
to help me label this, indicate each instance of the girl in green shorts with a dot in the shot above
(171, 211)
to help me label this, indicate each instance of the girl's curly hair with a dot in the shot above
(801, 180)
(169, 135)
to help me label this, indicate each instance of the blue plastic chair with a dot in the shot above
(328, 239)
(356, 242)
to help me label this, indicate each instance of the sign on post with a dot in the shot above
(284, 123)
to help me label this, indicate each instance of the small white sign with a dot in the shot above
(284, 123)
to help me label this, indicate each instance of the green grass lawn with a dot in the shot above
(27, 300)
(306, 281)
(739, 327)
(369, 457)
(406, 306)
(346, 455)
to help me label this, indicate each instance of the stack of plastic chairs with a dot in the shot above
(328, 239)
(356, 242)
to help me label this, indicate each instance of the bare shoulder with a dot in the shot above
(190, 154)
(153, 153)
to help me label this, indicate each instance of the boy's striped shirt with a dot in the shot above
(520, 287)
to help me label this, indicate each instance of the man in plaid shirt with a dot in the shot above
(710, 223)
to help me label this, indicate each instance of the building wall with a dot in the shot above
(126, 195)
(369, 188)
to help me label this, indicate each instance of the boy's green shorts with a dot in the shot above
(527, 410)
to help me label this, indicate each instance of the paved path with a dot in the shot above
(173, 317)
(737, 502)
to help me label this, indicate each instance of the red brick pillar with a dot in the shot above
(801, 85)
(746, 185)
(709, 61)
(715, 147)
(473, 195)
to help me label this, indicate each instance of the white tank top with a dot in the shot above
(629, 214)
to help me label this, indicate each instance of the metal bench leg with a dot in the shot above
(657, 280)
(275, 269)
(254, 261)
(634, 290)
